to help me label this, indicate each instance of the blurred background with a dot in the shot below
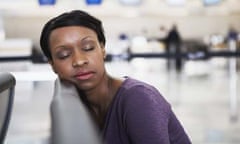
(188, 49)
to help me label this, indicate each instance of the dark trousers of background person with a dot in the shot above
(174, 49)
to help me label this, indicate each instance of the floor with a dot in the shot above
(204, 97)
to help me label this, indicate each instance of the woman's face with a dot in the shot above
(77, 56)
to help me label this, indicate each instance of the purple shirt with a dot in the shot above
(140, 115)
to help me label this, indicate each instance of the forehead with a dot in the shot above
(70, 31)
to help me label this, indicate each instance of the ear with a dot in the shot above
(52, 65)
(103, 50)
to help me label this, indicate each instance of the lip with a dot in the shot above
(84, 75)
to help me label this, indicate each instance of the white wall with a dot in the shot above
(194, 20)
(190, 27)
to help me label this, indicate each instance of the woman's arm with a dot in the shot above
(148, 118)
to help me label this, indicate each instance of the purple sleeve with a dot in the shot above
(147, 116)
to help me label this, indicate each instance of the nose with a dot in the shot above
(79, 59)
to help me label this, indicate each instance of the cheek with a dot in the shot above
(98, 61)
(101, 66)
(62, 69)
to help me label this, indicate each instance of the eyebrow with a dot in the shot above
(85, 38)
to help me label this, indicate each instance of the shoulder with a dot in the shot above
(131, 84)
(136, 93)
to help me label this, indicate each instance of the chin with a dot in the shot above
(86, 86)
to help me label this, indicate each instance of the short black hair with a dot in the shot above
(72, 18)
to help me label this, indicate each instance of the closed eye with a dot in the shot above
(88, 48)
(63, 54)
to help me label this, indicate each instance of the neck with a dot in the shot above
(99, 98)
(102, 95)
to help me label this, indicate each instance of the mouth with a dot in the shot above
(84, 75)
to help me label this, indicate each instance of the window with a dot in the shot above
(176, 2)
(211, 2)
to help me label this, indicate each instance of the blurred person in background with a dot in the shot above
(232, 33)
(126, 110)
(173, 47)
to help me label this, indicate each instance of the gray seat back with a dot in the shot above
(71, 122)
(7, 84)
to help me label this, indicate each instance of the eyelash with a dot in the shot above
(64, 56)
(88, 49)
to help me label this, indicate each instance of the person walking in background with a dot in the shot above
(126, 110)
(173, 47)
(232, 34)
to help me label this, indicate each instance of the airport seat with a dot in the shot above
(70, 120)
(7, 85)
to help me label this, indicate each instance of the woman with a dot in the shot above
(127, 111)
